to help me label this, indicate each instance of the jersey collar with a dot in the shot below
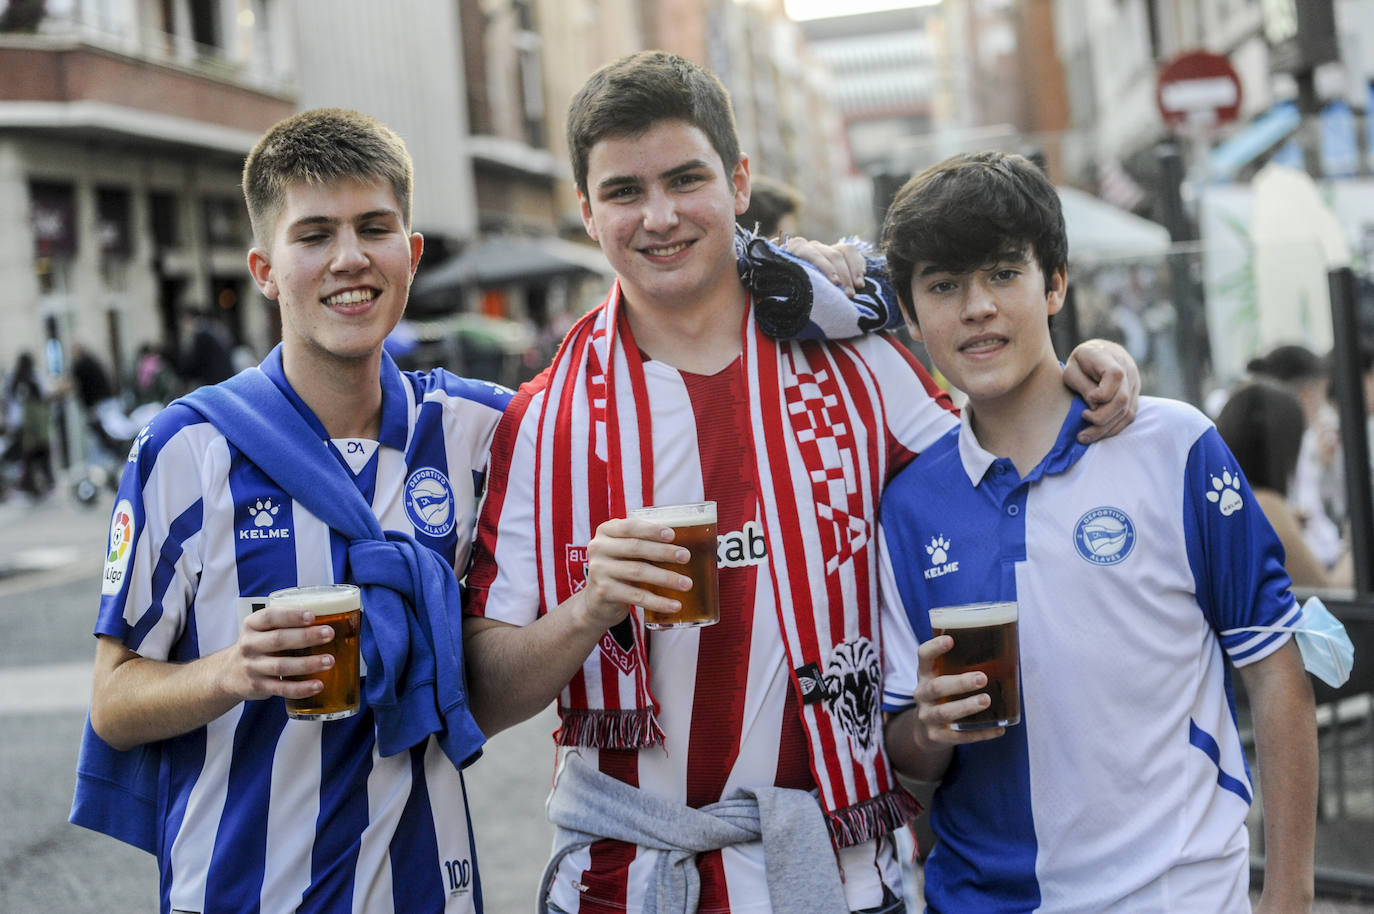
(1065, 452)
(395, 405)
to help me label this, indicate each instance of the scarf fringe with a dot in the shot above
(632, 728)
(872, 818)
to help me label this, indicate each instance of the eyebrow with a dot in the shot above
(622, 180)
(308, 221)
(1007, 256)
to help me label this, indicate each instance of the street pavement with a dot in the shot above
(50, 558)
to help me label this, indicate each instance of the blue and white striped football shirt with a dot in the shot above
(1124, 788)
(257, 811)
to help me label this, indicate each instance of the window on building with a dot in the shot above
(205, 23)
(221, 217)
(52, 214)
(112, 222)
(166, 226)
(527, 49)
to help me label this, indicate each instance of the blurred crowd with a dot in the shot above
(110, 403)
(1281, 422)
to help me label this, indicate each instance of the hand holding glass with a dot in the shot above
(340, 607)
(985, 639)
(694, 528)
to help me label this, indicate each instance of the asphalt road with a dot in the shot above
(49, 583)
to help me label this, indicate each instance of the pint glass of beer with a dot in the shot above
(694, 528)
(339, 607)
(984, 639)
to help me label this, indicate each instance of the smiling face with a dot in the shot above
(339, 267)
(663, 208)
(987, 330)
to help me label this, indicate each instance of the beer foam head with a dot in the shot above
(972, 615)
(321, 599)
(678, 515)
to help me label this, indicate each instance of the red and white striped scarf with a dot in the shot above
(819, 445)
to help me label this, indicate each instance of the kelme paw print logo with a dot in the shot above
(1225, 493)
(938, 550)
(263, 512)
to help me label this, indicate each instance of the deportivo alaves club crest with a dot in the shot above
(429, 502)
(1104, 536)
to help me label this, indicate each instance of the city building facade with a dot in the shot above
(123, 127)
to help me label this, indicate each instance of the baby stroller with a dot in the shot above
(111, 434)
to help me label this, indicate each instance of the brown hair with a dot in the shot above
(318, 146)
(632, 94)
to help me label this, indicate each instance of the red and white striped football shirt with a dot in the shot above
(727, 707)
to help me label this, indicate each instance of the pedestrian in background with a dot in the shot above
(1316, 493)
(1263, 425)
(208, 356)
(773, 209)
(30, 417)
(155, 379)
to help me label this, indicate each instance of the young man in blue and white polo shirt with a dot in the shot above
(1124, 787)
(246, 809)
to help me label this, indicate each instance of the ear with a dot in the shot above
(260, 266)
(586, 208)
(740, 178)
(1059, 285)
(911, 325)
(417, 247)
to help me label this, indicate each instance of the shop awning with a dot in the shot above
(1252, 141)
(1098, 230)
(498, 260)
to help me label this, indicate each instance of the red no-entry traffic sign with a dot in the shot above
(1198, 88)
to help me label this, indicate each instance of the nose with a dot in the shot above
(979, 302)
(348, 253)
(660, 212)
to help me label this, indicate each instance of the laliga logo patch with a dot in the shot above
(121, 546)
(1104, 536)
(429, 501)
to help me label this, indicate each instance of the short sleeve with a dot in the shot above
(1234, 554)
(503, 581)
(152, 556)
(899, 641)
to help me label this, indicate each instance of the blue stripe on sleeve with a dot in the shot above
(187, 525)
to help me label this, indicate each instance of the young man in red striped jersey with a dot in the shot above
(736, 767)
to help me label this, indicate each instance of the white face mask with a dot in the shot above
(1327, 652)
